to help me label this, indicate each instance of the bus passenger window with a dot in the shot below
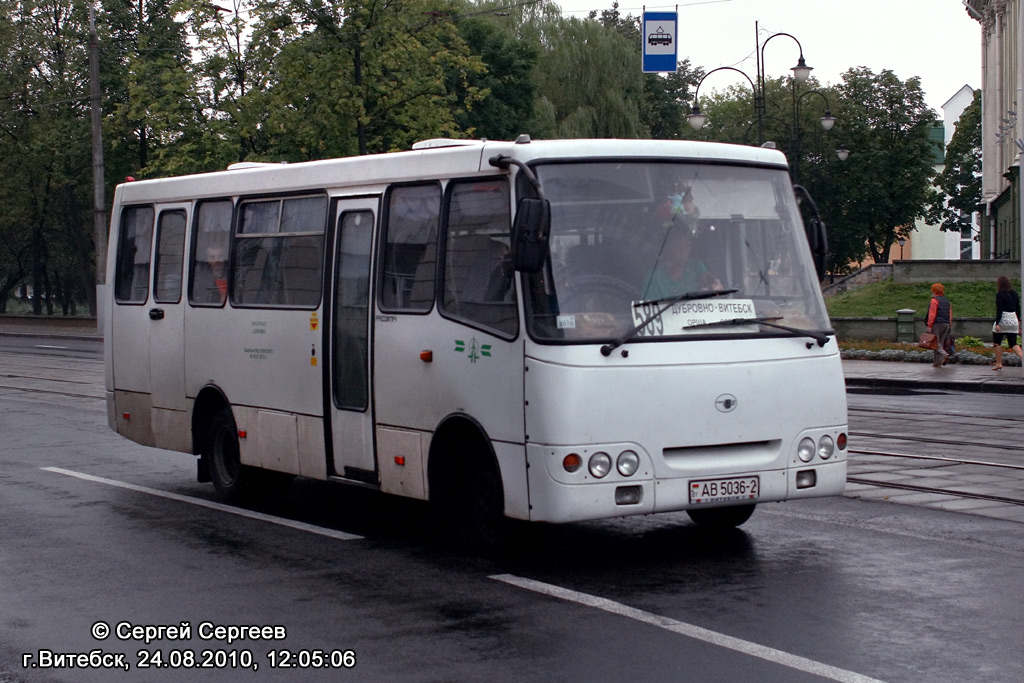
(170, 247)
(131, 277)
(410, 248)
(279, 250)
(209, 283)
(478, 273)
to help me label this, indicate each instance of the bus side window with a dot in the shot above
(131, 277)
(170, 248)
(478, 273)
(303, 254)
(410, 248)
(279, 252)
(208, 285)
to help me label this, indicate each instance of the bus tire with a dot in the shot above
(722, 518)
(484, 518)
(230, 477)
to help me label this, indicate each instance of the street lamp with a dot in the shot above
(696, 118)
(801, 72)
(827, 121)
(842, 153)
(902, 241)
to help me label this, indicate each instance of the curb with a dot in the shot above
(988, 387)
(55, 335)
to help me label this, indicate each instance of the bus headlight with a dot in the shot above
(826, 447)
(805, 451)
(627, 463)
(600, 465)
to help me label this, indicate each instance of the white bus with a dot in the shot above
(535, 330)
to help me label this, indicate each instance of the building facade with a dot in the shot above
(930, 241)
(1002, 129)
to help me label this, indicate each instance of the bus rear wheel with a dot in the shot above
(722, 518)
(223, 456)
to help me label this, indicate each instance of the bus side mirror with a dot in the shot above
(530, 234)
(817, 237)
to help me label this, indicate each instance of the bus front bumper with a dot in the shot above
(617, 496)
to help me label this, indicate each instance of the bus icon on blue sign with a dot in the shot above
(659, 38)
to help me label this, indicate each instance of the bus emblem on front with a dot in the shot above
(725, 403)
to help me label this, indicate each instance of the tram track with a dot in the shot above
(933, 441)
(943, 461)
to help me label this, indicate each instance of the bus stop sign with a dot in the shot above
(659, 41)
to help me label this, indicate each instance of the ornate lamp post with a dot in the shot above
(800, 74)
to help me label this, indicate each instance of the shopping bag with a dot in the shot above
(928, 341)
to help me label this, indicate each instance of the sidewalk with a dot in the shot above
(57, 327)
(954, 377)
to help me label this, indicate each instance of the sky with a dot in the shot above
(933, 39)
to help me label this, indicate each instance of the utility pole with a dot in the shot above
(99, 211)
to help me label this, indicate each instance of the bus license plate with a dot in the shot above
(718, 490)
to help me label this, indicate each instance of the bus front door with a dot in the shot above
(349, 335)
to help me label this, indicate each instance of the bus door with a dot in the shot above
(349, 341)
(166, 343)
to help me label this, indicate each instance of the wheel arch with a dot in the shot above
(460, 446)
(210, 401)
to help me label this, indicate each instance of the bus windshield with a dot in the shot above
(629, 237)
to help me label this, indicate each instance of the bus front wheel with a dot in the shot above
(721, 518)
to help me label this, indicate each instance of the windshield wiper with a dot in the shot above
(822, 339)
(669, 301)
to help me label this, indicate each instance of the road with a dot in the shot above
(96, 529)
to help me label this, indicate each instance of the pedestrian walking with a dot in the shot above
(1007, 324)
(939, 320)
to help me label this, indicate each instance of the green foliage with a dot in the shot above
(588, 76)
(887, 180)
(960, 181)
(883, 299)
(506, 90)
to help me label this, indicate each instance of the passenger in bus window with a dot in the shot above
(211, 281)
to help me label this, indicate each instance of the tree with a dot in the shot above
(959, 184)
(46, 220)
(587, 82)
(506, 90)
(361, 76)
(887, 180)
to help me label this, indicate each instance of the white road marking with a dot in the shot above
(220, 507)
(689, 630)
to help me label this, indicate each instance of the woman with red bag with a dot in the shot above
(939, 320)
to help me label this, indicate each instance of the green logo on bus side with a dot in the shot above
(475, 349)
